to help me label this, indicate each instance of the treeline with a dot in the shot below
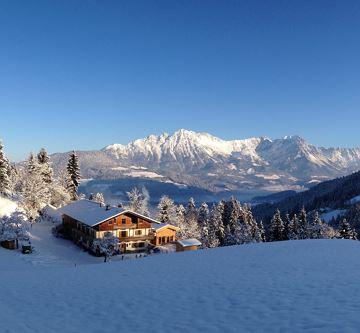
(34, 185)
(333, 194)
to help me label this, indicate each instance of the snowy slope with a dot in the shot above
(275, 287)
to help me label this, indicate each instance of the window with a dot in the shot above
(123, 221)
(141, 244)
(123, 234)
(138, 232)
(110, 222)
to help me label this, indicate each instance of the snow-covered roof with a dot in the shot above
(92, 213)
(189, 242)
(164, 225)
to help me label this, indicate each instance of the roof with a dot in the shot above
(164, 225)
(92, 213)
(189, 242)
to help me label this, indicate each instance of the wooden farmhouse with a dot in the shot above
(84, 221)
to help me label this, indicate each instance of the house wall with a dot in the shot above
(164, 236)
(134, 233)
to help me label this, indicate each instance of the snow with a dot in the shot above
(89, 212)
(7, 206)
(163, 225)
(189, 242)
(291, 286)
(354, 200)
(328, 216)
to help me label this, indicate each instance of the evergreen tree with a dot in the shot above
(277, 227)
(46, 170)
(287, 225)
(5, 186)
(262, 232)
(316, 229)
(345, 230)
(203, 222)
(303, 225)
(232, 212)
(214, 224)
(73, 170)
(179, 221)
(35, 192)
(166, 210)
(191, 220)
(217, 229)
(293, 228)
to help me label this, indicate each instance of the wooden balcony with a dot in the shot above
(136, 238)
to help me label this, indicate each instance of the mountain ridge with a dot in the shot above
(204, 160)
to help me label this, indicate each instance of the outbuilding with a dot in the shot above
(191, 244)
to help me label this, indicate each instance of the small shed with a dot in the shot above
(10, 245)
(191, 244)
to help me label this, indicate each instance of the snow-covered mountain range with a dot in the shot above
(202, 160)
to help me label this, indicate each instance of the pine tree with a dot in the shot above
(262, 232)
(203, 222)
(345, 230)
(214, 223)
(293, 228)
(217, 229)
(44, 162)
(316, 229)
(303, 225)
(73, 170)
(191, 223)
(166, 210)
(5, 186)
(35, 192)
(277, 227)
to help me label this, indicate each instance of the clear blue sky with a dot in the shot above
(84, 74)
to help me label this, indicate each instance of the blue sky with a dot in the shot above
(84, 74)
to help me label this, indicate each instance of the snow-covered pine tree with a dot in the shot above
(287, 225)
(293, 228)
(73, 170)
(277, 227)
(253, 227)
(303, 224)
(316, 228)
(345, 230)
(46, 169)
(232, 212)
(191, 217)
(35, 192)
(203, 222)
(262, 232)
(166, 210)
(215, 221)
(5, 186)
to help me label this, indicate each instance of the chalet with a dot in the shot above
(84, 221)
(187, 245)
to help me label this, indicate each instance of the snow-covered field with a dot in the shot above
(292, 286)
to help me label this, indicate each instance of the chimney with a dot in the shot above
(108, 207)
